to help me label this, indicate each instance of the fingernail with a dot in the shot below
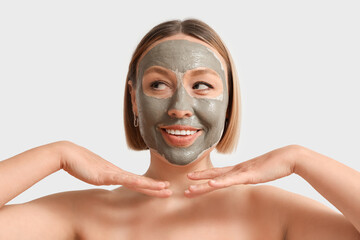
(192, 187)
(166, 191)
(187, 192)
(212, 181)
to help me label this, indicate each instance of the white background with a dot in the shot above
(63, 66)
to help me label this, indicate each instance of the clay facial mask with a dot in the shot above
(182, 98)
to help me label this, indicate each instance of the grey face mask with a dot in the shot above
(209, 114)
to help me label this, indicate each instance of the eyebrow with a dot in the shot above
(158, 70)
(197, 72)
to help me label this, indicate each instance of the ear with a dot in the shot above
(133, 97)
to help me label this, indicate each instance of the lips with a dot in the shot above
(180, 135)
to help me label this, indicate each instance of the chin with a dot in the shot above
(183, 157)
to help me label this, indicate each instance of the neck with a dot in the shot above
(161, 169)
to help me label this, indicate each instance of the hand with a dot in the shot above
(267, 167)
(91, 168)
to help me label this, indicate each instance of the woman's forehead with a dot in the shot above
(181, 55)
(189, 51)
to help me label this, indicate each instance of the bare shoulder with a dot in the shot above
(285, 199)
(277, 194)
(68, 202)
(303, 217)
(287, 203)
(53, 216)
(74, 204)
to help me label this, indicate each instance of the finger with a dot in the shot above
(229, 180)
(147, 183)
(118, 176)
(198, 189)
(136, 181)
(208, 173)
(164, 193)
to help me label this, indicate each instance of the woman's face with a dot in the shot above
(181, 98)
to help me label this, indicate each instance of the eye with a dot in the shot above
(202, 86)
(158, 85)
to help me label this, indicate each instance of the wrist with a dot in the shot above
(301, 156)
(58, 149)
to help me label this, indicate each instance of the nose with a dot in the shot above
(181, 105)
(175, 113)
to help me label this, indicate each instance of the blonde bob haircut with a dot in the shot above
(200, 30)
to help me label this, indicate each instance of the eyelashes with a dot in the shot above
(160, 82)
(202, 86)
(199, 88)
(159, 85)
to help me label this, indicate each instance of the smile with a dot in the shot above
(180, 132)
(180, 135)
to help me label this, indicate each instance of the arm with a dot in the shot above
(306, 218)
(20, 172)
(54, 216)
(45, 218)
(338, 183)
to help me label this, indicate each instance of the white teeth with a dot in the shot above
(180, 132)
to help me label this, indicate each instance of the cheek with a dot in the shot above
(151, 110)
(212, 112)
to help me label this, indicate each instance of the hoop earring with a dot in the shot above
(136, 121)
(226, 124)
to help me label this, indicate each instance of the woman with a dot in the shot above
(181, 102)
